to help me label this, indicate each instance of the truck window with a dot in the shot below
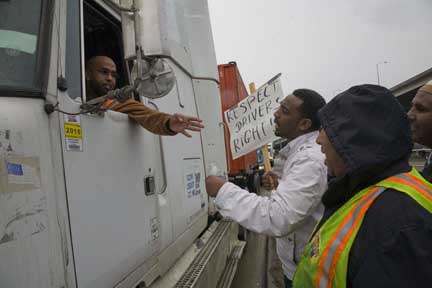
(19, 37)
(73, 50)
(102, 37)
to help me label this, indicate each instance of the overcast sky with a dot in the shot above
(324, 45)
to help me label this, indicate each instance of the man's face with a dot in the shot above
(333, 161)
(101, 75)
(288, 117)
(420, 116)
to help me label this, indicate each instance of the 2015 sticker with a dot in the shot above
(73, 133)
(73, 130)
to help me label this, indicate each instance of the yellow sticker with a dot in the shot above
(73, 130)
(73, 133)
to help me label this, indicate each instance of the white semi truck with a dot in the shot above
(90, 198)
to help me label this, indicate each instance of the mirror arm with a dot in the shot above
(119, 95)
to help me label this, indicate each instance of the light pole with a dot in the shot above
(377, 70)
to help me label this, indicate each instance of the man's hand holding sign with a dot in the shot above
(270, 180)
(251, 125)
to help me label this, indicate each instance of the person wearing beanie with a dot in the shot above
(377, 225)
(420, 116)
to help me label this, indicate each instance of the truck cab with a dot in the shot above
(93, 199)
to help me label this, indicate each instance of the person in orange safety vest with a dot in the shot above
(377, 225)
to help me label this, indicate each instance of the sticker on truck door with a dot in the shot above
(193, 182)
(73, 133)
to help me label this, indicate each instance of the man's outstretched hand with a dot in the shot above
(180, 123)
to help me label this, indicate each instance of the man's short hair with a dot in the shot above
(312, 103)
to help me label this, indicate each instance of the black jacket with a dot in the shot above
(369, 130)
(427, 171)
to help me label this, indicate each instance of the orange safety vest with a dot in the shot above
(325, 260)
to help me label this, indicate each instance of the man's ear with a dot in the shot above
(305, 124)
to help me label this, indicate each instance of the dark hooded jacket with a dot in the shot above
(369, 130)
(427, 170)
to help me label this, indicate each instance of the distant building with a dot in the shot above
(406, 90)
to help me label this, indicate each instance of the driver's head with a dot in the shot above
(101, 74)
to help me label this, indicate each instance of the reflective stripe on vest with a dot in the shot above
(327, 264)
(339, 231)
(415, 183)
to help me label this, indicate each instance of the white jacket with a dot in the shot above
(290, 212)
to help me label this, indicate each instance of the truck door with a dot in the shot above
(112, 165)
(31, 227)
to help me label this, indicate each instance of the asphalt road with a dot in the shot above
(252, 266)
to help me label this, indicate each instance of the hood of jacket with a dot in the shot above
(369, 129)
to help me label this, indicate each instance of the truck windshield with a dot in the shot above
(19, 34)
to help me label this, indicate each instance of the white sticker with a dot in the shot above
(193, 181)
(73, 133)
(22, 174)
(19, 173)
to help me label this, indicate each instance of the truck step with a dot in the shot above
(191, 277)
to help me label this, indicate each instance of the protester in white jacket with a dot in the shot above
(294, 208)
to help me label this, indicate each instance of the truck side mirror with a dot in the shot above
(156, 78)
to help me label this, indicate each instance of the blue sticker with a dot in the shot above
(190, 186)
(15, 169)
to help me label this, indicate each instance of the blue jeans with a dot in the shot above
(288, 282)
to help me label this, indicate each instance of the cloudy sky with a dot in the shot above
(324, 45)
